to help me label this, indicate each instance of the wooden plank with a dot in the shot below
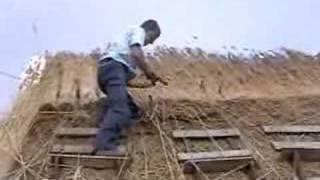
(98, 162)
(80, 149)
(213, 155)
(280, 145)
(86, 156)
(292, 129)
(216, 165)
(76, 132)
(308, 151)
(87, 132)
(205, 133)
(55, 112)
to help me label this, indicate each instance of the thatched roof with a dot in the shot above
(69, 81)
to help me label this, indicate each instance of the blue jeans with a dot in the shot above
(119, 110)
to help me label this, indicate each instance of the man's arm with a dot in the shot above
(138, 55)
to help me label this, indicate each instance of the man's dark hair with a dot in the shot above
(151, 25)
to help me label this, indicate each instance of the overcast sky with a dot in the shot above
(30, 27)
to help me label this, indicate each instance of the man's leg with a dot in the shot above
(102, 108)
(118, 113)
(135, 115)
(135, 110)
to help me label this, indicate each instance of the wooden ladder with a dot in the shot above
(214, 161)
(74, 147)
(296, 151)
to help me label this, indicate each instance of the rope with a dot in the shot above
(9, 75)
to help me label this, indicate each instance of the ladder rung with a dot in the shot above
(76, 131)
(313, 178)
(81, 149)
(86, 156)
(280, 145)
(291, 129)
(205, 133)
(309, 151)
(213, 155)
(215, 161)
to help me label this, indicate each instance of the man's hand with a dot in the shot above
(152, 77)
(155, 78)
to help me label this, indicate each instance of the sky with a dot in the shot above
(30, 27)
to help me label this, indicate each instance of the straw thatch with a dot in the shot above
(204, 91)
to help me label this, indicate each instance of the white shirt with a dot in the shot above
(120, 48)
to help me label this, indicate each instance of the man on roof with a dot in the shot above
(115, 69)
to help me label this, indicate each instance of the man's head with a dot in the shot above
(152, 29)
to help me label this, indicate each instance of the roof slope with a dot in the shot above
(195, 79)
